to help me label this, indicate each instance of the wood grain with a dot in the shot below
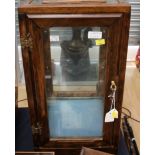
(75, 8)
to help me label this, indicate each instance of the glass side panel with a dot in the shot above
(74, 74)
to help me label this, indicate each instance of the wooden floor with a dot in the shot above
(131, 98)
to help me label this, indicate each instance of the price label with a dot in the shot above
(108, 117)
(100, 42)
(94, 35)
(115, 113)
(54, 38)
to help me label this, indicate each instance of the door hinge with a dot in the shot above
(26, 41)
(36, 129)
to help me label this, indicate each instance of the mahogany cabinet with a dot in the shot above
(71, 51)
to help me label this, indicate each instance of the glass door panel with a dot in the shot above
(73, 69)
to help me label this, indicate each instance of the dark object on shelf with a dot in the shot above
(75, 55)
(129, 137)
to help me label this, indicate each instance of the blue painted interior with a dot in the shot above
(75, 117)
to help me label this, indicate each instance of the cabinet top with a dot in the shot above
(73, 6)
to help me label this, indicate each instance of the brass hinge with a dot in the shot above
(36, 129)
(26, 41)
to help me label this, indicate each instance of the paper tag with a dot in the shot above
(54, 38)
(115, 113)
(108, 117)
(48, 76)
(100, 42)
(94, 35)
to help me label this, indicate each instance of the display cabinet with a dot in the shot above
(71, 51)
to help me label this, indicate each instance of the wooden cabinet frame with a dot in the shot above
(32, 21)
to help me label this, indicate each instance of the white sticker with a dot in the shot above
(94, 35)
(54, 38)
(48, 76)
(108, 117)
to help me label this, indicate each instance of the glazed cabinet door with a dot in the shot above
(69, 66)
